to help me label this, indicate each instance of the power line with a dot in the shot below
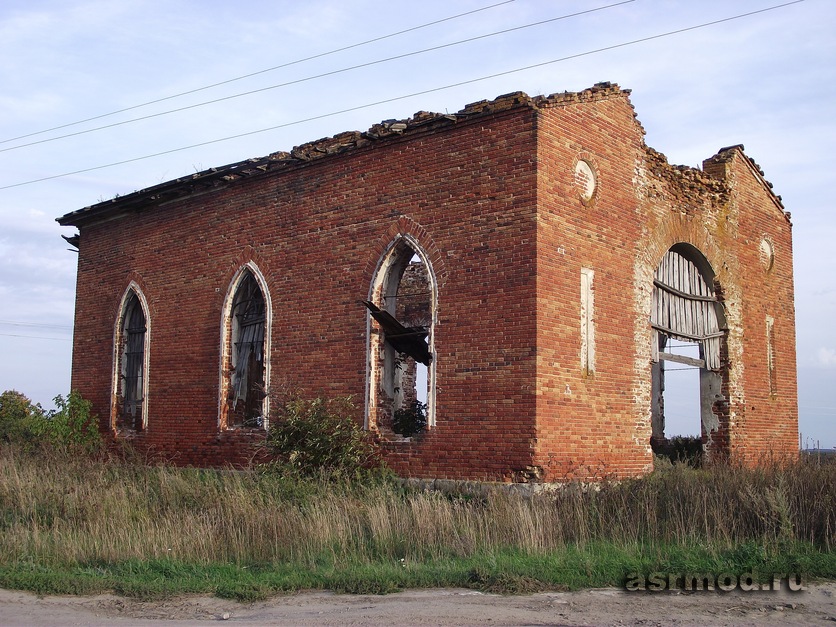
(37, 337)
(17, 323)
(313, 77)
(404, 97)
(264, 71)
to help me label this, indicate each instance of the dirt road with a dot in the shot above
(815, 606)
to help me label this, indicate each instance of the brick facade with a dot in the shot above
(493, 201)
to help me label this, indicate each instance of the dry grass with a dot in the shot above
(67, 511)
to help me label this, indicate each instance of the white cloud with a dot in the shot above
(827, 357)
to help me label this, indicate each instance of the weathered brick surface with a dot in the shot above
(491, 197)
(597, 423)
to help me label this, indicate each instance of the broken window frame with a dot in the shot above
(382, 358)
(129, 406)
(246, 333)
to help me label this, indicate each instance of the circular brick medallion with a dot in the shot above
(586, 180)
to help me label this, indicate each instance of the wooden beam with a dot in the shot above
(682, 359)
(673, 290)
(695, 338)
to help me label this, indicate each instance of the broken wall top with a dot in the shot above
(709, 183)
(716, 166)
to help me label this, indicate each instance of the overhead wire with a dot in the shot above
(17, 323)
(413, 94)
(264, 71)
(37, 337)
(35, 325)
(305, 79)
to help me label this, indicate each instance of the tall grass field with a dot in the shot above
(76, 519)
(70, 524)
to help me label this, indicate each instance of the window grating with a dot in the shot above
(133, 364)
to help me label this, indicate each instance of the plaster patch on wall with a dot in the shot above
(587, 324)
(642, 289)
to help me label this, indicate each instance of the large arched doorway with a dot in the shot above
(688, 333)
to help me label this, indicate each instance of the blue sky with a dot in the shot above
(767, 81)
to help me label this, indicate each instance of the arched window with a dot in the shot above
(402, 306)
(246, 355)
(130, 385)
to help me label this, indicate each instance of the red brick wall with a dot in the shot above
(316, 232)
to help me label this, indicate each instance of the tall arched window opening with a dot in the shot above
(402, 306)
(129, 413)
(688, 325)
(246, 388)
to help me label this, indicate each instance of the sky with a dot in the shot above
(701, 79)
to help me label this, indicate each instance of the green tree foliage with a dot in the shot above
(21, 421)
(69, 426)
(410, 420)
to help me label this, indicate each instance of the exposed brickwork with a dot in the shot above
(491, 196)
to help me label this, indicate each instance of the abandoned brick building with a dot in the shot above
(521, 268)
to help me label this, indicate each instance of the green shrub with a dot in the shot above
(681, 449)
(72, 426)
(309, 436)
